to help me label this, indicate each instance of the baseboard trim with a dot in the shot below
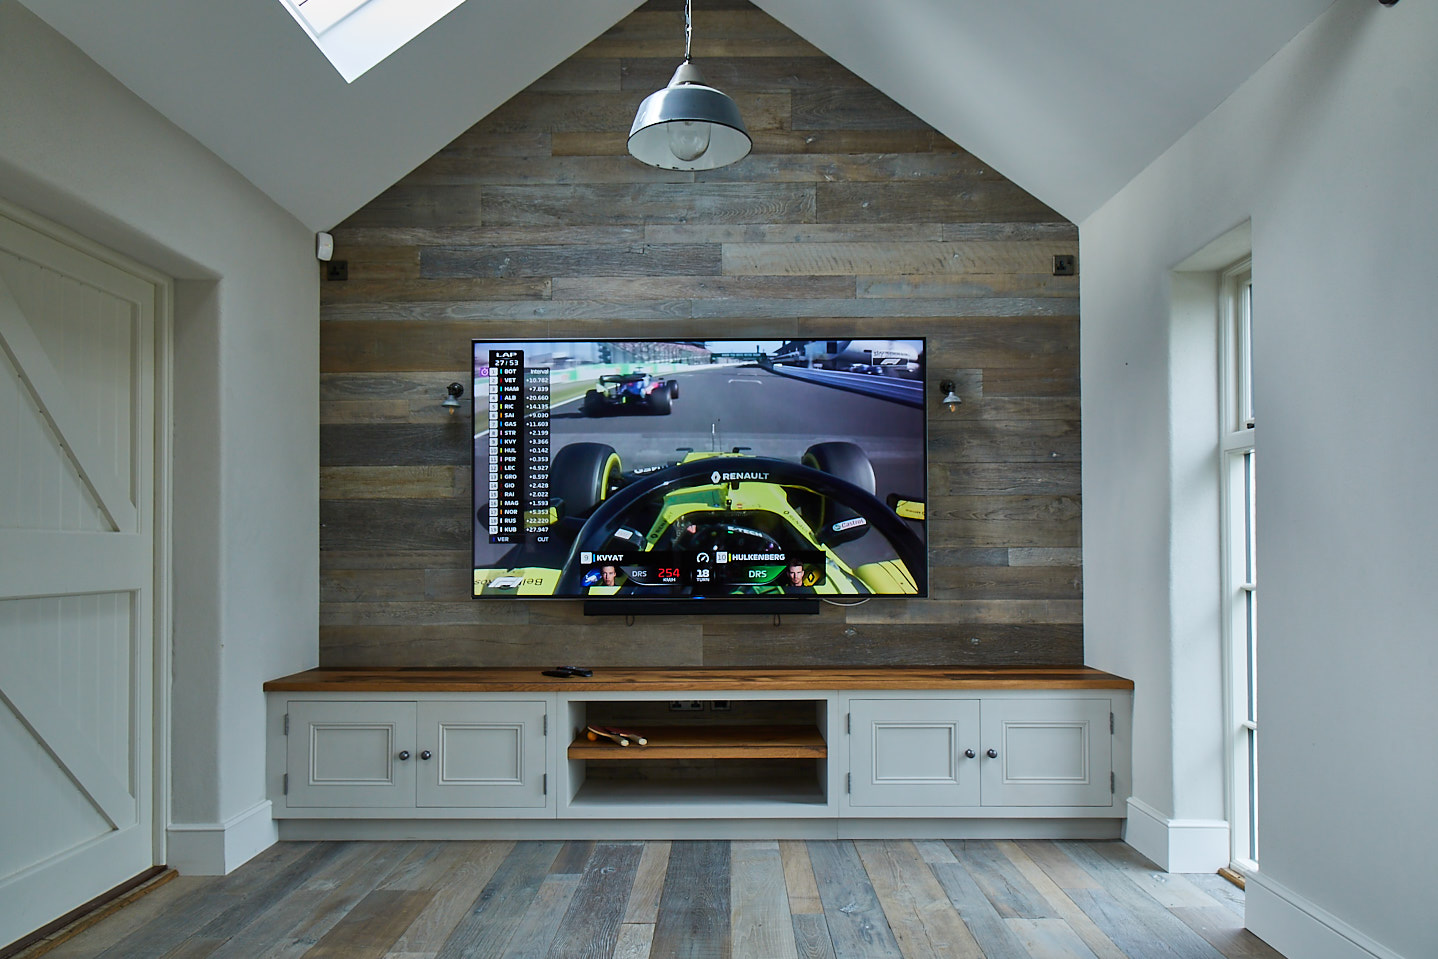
(214, 849)
(428, 829)
(1177, 845)
(1298, 927)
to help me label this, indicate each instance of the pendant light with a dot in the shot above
(687, 125)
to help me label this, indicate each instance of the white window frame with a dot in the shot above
(1237, 459)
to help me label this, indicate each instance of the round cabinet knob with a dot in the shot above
(403, 755)
(992, 754)
(970, 753)
(427, 754)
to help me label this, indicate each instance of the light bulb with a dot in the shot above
(688, 139)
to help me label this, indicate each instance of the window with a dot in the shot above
(354, 35)
(1238, 487)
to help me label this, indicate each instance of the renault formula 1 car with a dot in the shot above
(608, 530)
(634, 391)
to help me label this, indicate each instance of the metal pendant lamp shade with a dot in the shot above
(687, 125)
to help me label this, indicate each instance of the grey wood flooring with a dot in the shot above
(864, 899)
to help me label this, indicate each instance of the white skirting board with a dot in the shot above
(214, 849)
(425, 829)
(1299, 928)
(1177, 845)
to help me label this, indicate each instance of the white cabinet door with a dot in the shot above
(481, 754)
(905, 752)
(351, 754)
(1047, 752)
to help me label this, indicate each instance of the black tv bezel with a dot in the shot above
(737, 605)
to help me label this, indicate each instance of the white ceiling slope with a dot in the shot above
(1068, 98)
(245, 80)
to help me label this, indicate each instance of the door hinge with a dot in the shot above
(848, 782)
(545, 730)
(1110, 724)
(287, 724)
(848, 722)
(544, 784)
(1112, 783)
(286, 788)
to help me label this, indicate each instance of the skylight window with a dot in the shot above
(354, 35)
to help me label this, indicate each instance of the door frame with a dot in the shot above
(162, 582)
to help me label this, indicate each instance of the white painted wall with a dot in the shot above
(80, 149)
(1330, 149)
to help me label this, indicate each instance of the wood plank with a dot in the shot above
(1128, 933)
(393, 482)
(693, 918)
(1007, 890)
(430, 862)
(1005, 582)
(643, 907)
(541, 922)
(975, 200)
(276, 889)
(1225, 932)
(991, 611)
(1010, 282)
(459, 646)
(708, 742)
(619, 679)
(1121, 894)
(858, 108)
(299, 921)
(760, 922)
(372, 926)
(573, 856)
(615, 204)
(1093, 937)
(1049, 939)
(455, 892)
(590, 928)
(1222, 891)
(646, 260)
(371, 585)
(784, 233)
(799, 878)
(923, 922)
(855, 918)
(988, 929)
(829, 311)
(960, 260)
(811, 937)
(562, 113)
(92, 939)
(449, 288)
(1168, 889)
(670, 287)
(635, 939)
(420, 204)
(491, 921)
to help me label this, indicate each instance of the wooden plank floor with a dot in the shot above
(843, 899)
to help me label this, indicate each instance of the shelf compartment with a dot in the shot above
(709, 742)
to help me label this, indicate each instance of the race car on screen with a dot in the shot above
(634, 391)
(822, 506)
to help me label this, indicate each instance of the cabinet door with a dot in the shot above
(481, 754)
(349, 754)
(905, 752)
(1050, 752)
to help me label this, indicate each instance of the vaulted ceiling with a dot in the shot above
(1070, 99)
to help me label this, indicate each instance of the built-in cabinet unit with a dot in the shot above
(869, 747)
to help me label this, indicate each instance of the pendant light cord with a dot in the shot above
(688, 29)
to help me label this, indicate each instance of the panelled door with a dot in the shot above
(77, 575)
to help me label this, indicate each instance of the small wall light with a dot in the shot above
(951, 399)
(452, 394)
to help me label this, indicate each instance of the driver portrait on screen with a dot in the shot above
(603, 580)
(793, 579)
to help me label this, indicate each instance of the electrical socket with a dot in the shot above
(685, 705)
(720, 705)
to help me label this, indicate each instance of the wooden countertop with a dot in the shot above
(424, 680)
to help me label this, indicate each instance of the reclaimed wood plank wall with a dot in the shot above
(851, 217)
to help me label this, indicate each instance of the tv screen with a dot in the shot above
(699, 469)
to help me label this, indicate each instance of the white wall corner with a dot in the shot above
(1176, 845)
(1297, 927)
(214, 849)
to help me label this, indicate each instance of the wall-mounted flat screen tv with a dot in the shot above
(699, 469)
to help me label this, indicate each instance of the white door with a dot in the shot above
(77, 458)
(913, 752)
(350, 754)
(481, 754)
(1048, 752)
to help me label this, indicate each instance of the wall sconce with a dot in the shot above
(452, 394)
(951, 399)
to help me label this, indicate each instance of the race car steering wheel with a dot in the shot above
(612, 513)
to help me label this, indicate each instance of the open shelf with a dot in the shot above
(739, 792)
(709, 742)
